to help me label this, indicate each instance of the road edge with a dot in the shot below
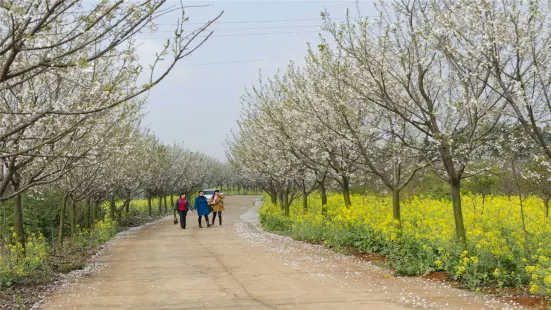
(92, 266)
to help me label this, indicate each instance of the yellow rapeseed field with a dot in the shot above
(499, 251)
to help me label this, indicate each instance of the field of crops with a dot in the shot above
(500, 252)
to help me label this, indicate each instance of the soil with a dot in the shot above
(520, 296)
(24, 294)
(532, 302)
(371, 257)
(313, 242)
(441, 276)
(517, 296)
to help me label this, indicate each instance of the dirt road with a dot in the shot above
(238, 266)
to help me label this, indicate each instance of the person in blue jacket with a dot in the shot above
(202, 208)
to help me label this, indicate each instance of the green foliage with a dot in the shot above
(17, 262)
(140, 206)
(39, 216)
(101, 232)
(272, 219)
(430, 185)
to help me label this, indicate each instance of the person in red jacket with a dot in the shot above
(183, 205)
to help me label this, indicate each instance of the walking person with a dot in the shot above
(183, 205)
(202, 207)
(217, 204)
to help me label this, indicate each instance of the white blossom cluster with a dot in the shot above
(69, 84)
(72, 91)
(454, 87)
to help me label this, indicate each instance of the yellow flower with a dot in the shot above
(493, 230)
(460, 271)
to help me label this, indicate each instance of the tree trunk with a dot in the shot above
(305, 201)
(112, 208)
(457, 212)
(522, 215)
(483, 203)
(127, 209)
(19, 229)
(88, 213)
(525, 232)
(323, 194)
(95, 213)
(281, 200)
(346, 191)
(52, 219)
(238, 189)
(61, 222)
(273, 197)
(149, 209)
(119, 215)
(166, 209)
(172, 200)
(73, 217)
(287, 204)
(160, 205)
(546, 205)
(396, 204)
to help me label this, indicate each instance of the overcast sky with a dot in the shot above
(198, 104)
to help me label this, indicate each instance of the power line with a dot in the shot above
(224, 3)
(265, 21)
(239, 61)
(236, 35)
(226, 29)
(219, 3)
(280, 1)
(247, 28)
(252, 28)
(250, 21)
(265, 2)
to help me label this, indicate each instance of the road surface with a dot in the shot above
(238, 266)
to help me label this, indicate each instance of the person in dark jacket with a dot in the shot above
(202, 207)
(183, 205)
